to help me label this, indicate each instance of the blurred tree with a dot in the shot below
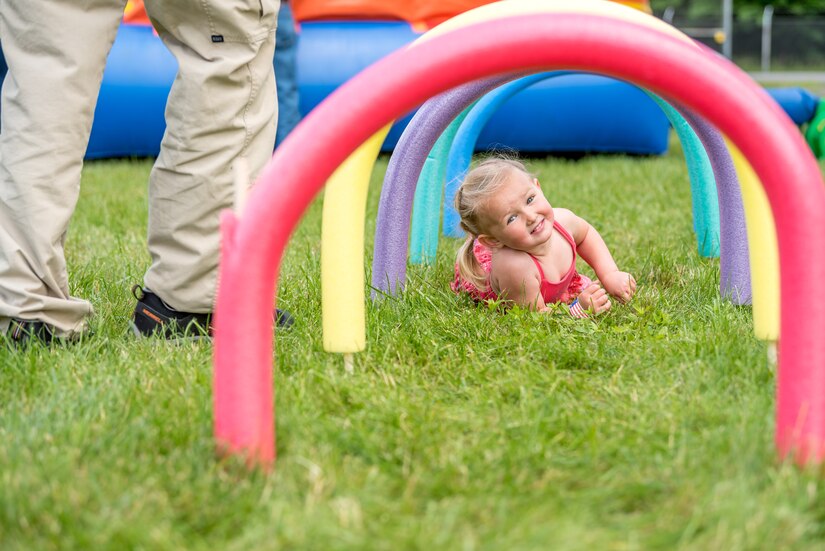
(798, 31)
(747, 9)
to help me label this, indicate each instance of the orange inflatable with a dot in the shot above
(419, 12)
(427, 12)
(135, 13)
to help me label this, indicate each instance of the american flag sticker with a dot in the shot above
(576, 310)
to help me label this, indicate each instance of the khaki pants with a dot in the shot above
(222, 106)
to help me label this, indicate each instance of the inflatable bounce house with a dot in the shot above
(339, 38)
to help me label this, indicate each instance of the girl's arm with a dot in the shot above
(510, 282)
(593, 250)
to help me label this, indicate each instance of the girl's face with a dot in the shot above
(518, 216)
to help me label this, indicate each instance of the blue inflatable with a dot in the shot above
(569, 114)
(574, 113)
(129, 117)
(798, 103)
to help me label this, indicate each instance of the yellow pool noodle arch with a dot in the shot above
(345, 333)
(763, 249)
(342, 249)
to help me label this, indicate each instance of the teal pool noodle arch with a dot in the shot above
(703, 192)
(426, 214)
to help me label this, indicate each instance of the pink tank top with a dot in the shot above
(570, 284)
(563, 291)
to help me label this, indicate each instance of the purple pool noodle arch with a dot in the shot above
(392, 228)
(734, 262)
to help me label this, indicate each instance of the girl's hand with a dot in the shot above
(595, 299)
(620, 285)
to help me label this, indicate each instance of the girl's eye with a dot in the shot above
(530, 199)
(511, 219)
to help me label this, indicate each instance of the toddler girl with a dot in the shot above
(522, 249)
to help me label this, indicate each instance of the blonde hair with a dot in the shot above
(478, 186)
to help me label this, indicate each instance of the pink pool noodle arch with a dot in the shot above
(712, 87)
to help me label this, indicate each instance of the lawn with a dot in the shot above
(463, 427)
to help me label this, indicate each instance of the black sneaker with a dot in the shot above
(22, 333)
(153, 317)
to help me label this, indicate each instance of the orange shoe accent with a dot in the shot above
(152, 315)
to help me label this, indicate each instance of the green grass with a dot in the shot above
(462, 428)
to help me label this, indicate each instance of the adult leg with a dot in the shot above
(222, 106)
(56, 53)
(286, 77)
